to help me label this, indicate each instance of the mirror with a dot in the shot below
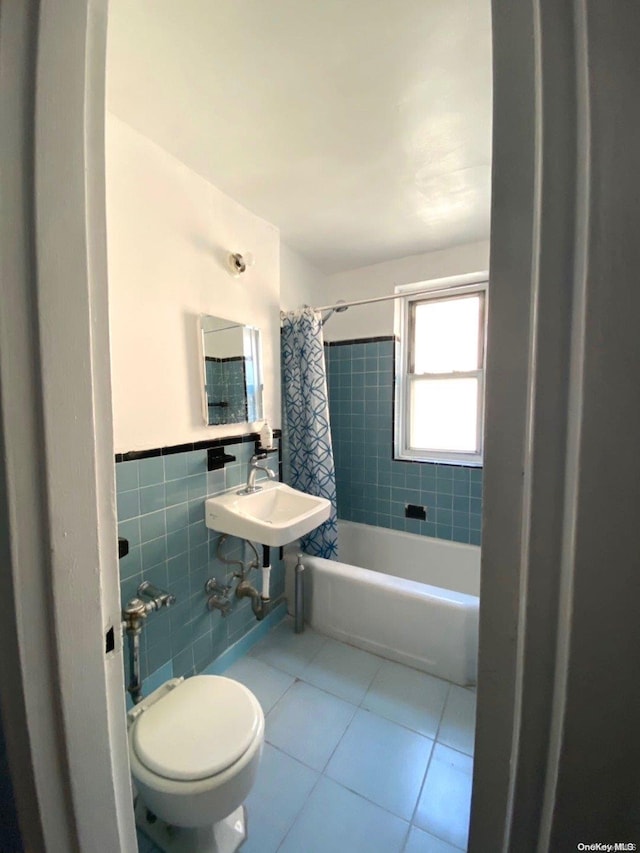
(232, 372)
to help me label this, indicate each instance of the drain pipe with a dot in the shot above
(261, 604)
(266, 572)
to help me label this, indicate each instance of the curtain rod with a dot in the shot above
(337, 305)
(434, 287)
(342, 306)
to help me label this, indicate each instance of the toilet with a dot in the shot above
(194, 747)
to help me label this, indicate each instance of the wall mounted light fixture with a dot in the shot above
(238, 263)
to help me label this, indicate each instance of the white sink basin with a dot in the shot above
(273, 516)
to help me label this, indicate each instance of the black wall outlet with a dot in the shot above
(415, 511)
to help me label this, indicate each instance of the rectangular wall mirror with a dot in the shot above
(232, 390)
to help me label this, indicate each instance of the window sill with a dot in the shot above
(461, 460)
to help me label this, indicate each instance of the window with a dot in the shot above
(439, 392)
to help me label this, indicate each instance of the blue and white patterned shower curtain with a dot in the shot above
(306, 407)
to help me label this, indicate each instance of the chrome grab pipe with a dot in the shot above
(158, 597)
(134, 615)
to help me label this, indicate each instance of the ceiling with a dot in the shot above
(361, 129)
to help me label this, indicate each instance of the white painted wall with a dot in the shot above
(169, 232)
(380, 280)
(300, 282)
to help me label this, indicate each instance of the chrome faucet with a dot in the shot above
(254, 469)
(157, 598)
(218, 596)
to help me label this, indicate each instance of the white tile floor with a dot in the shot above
(362, 755)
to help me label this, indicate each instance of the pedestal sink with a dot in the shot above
(275, 515)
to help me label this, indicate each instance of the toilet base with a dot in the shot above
(225, 836)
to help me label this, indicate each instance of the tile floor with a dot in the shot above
(362, 755)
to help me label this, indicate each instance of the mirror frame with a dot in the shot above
(255, 354)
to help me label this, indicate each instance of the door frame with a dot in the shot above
(559, 631)
(62, 700)
(533, 413)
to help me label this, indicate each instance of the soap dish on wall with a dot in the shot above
(217, 458)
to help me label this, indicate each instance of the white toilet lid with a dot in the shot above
(198, 729)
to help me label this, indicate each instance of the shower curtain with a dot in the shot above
(306, 409)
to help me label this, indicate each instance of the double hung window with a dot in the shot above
(440, 365)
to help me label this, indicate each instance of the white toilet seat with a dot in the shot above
(194, 802)
(198, 729)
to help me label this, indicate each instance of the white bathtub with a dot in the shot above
(409, 598)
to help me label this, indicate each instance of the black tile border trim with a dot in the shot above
(225, 441)
(376, 340)
(225, 360)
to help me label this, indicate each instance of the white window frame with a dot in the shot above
(441, 288)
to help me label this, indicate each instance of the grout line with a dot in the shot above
(453, 749)
(433, 749)
(337, 695)
(313, 787)
(442, 713)
(424, 779)
(367, 800)
(339, 741)
(470, 755)
(296, 758)
(403, 726)
(360, 796)
(373, 678)
(313, 656)
(302, 808)
(406, 839)
(274, 706)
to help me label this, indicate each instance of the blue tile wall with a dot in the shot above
(234, 378)
(225, 380)
(161, 513)
(372, 487)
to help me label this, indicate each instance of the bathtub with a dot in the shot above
(408, 598)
